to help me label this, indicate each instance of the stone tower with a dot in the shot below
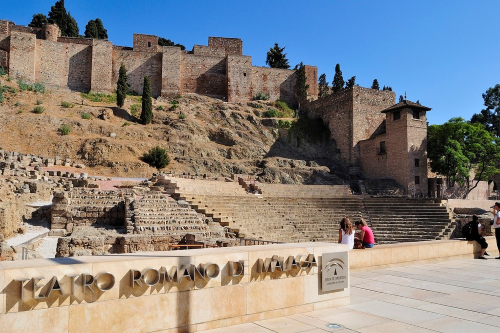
(406, 146)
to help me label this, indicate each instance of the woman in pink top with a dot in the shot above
(366, 235)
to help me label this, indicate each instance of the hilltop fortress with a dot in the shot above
(375, 138)
(219, 70)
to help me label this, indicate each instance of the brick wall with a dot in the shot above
(239, 79)
(208, 51)
(367, 116)
(145, 43)
(171, 71)
(64, 64)
(139, 65)
(203, 75)
(231, 46)
(4, 35)
(372, 161)
(312, 81)
(102, 68)
(22, 56)
(278, 83)
(4, 59)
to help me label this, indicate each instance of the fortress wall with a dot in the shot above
(373, 165)
(4, 35)
(202, 50)
(367, 117)
(22, 56)
(229, 46)
(139, 65)
(239, 80)
(312, 80)
(203, 75)
(171, 71)
(64, 64)
(336, 111)
(102, 67)
(4, 59)
(278, 83)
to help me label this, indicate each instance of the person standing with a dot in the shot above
(496, 224)
(346, 233)
(366, 235)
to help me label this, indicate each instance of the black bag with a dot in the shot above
(468, 232)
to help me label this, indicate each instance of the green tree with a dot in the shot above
(401, 98)
(157, 157)
(167, 42)
(121, 86)
(490, 116)
(67, 24)
(459, 150)
(322, 86)
(101, 32)
(276, 58)
(338, 80)
(388, 88)
(38, 21)
(375, 85)
(351, 82)
(147, 104)
(91, 30)
(301, 85)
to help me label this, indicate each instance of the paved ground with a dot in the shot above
(454, 296)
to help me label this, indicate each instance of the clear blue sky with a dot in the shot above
(443, 53)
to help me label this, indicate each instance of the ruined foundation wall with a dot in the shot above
(239, 81)
(278, 83)
(22, 56)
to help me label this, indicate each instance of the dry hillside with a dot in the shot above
(203, 136)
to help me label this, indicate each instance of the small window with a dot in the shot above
(416, 114)
(149, 44)
(417, 180)
(417, 162)
(381, 149)
(244, 74)
(396, 115)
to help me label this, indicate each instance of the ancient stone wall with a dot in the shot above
(278, 83)
(4, 59)
(145, 43)
(102, 69)
(5, 35)
(207, 51)
(203, 75)
(80, 207)
(171, 71)
(336, 110)
(312, 81)
(231, 46)
(239, 80)
(22, 56)
(367, 115)
(64, 64)
(373, 161)
(139, 65)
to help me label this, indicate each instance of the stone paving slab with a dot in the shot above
(454, 296)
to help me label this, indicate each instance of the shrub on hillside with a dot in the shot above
(182, 116)
(285, 111)
(157, 157)
(38, 109)
(64, 129)
(2, 71)
(271, 113)
(67, 104)
(86, 115)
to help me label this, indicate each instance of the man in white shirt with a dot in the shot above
(496, 224)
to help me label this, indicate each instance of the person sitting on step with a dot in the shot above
(346, 233)
(366, 234)
(478, 237)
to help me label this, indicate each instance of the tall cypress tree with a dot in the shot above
(322, 86)
(300, 84)
(91, 30)
(338, 79)
(121, 86)
(375, 85)
(63, 19)
(351, 82)
(276, 58)
(101, 32)
(38, 21)
(147, 104)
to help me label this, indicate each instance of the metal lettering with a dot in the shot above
(52, 285)
(72, 278)
(104, 281)
(183, 273)
(264, 265)
(212, 270)
(166, 276)
(87, 283)
(22, 285)
(311, 261)
(200, 270)
(150, 276)
(236, 268)
(135, 278)
(36, 287)
(279, 263)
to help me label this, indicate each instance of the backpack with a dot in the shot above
(467, 231)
